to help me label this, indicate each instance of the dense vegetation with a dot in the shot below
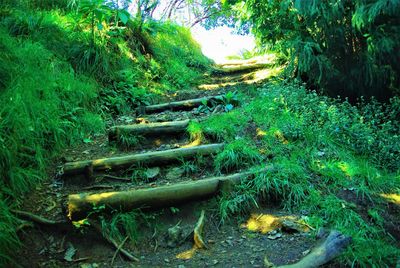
(320, 148)
(61, 76)
(347, 48)
(68, 66)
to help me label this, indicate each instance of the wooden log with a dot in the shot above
(177, 105)
(149, 158)
(241, 68)
(332, 247)
(148, 129)
(79, 205)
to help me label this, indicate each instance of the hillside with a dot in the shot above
(122, 145)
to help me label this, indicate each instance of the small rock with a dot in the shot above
(292, 226)
(304, 253)
(274, 235)
(175, 173)
(174, 236)
(151, 173)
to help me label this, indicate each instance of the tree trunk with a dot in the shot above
(148, 129)
(79, 205)
(177, 105)
(150, 158)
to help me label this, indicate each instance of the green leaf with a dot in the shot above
(100, 26)
(123, 17)
(87, 140)
(69, 253)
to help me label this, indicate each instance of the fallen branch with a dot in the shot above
(146, 158)
(35, 218)
(79, 205)
(116, 178)
(178, 105)
(119, 248)
(98, 187)
(147, 129)
(241, 68)
(332, 247)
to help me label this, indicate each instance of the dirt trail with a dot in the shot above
(228, 245)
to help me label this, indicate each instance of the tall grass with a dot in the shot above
(317, 147)
(56, 87)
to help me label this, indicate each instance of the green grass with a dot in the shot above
(56, 89)
(317, 147)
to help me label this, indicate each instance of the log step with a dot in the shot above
(150, 158)
(178, 105)
(79, 205)
(148, 129)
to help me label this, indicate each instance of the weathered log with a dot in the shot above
(148, 129)
(177, 105)
(332, 247)
(241, 68)
(149, 158)
(79, 205)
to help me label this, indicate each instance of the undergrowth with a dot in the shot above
(315, 147)
(61, 77)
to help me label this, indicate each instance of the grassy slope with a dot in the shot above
(56, 90)
(320, 148)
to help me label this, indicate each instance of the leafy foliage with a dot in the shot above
(316, 147)
(348, 48)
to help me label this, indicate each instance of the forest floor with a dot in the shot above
(164, 236)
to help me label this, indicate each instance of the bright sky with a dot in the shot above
(217, 43)
(220, 42)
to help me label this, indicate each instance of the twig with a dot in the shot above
(98, 187)
(115, 244)
(118, 249)
(35, 218)
(81, 259)
(305, 224)
(116, 178)
(24, 225)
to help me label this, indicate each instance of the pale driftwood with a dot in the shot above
(150, 158)
(332, 247)
(79, 205)
(148, 129)
(178, 105)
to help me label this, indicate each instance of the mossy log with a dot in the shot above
(177, 105)
(149, 158)
(332, 247)
(79, 205)
(148, 129)
(241, 68)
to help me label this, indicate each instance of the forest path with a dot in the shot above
(149, 154)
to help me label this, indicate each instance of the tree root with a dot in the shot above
(36, 218)
(117, 246)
